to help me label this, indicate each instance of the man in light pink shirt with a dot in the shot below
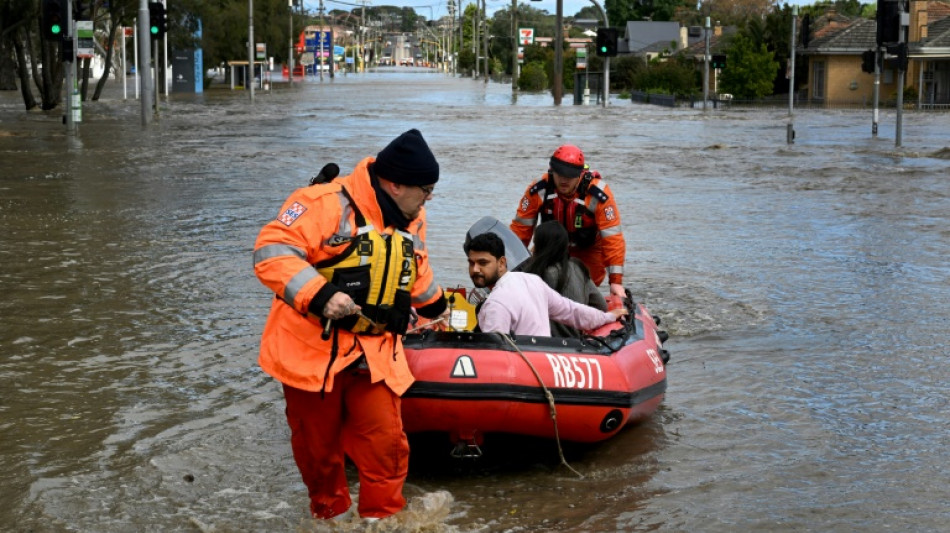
(521, 303)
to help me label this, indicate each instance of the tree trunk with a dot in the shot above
(28, 99)
(50, 82)
(7, 63)
(105, 75)
(85, 77)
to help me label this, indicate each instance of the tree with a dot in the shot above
(621, 11)
(750, 69)
(737, 12)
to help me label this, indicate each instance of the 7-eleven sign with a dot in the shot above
(526, 36)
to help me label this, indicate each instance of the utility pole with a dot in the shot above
(484, 24)
(475, 20)
(320, 38)
(142, 68)
(516, 42)
(706, 66)
(559, 53)
(250, 48)
(790, 128)
(290, 48)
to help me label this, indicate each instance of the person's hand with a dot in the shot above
(340, 305)
(617, 290)
(618, 313)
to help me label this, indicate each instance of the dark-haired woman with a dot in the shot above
(566, 275)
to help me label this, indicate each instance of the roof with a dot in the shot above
(937, 10)
(938, 34)
(852, 37)
(641, 34)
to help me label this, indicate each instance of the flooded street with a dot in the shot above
(804, 287)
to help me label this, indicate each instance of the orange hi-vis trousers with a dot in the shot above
(359, 420)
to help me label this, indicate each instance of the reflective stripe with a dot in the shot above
(344, 228)
(525, 221)
(297, 282)
(613, 269)
(429, 293)
(611, 231)
(594, 202)
(277, 250)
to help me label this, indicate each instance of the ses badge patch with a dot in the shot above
(292, 213)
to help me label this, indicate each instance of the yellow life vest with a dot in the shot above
(377, 271)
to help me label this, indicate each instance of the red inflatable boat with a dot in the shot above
(472, 384)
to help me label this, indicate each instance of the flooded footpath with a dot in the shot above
(804, 287)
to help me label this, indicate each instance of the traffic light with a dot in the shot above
(718, 61)
(55, 19)
(607, 42)
(157, 23)
(867, 61)
(806, 30)
(888, 22)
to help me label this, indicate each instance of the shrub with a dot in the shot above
(533, 77)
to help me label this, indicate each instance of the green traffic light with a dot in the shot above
(603, 49)
(153, 30)
(56, 29)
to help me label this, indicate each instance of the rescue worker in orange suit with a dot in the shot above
(347, 260)
(583, 203)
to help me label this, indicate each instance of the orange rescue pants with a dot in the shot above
(359, 420)
(593, 259)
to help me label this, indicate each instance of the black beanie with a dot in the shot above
(408, 161)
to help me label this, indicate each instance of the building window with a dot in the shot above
(818, 80)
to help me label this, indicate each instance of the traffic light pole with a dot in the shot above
(70, 67)
(790, 129)
(901, 72)
(603, 15)
(143, 69)
(877, 90)
(155, 77)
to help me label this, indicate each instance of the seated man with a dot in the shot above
(522, 303)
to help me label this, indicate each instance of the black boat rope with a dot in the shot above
(550, 398)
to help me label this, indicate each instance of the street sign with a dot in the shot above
(526, 36)
(306, 59)
(84, 35)
(320, 40)
(261, 51)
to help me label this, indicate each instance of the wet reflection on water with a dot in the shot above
(804, 287)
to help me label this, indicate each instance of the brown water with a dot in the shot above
(805, 288)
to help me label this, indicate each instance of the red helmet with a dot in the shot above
(568, 161)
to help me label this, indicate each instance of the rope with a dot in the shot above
(550, 398)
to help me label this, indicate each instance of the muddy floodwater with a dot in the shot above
(805, 288)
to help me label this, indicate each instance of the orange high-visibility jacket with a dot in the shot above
(606, 255)
(304, 234)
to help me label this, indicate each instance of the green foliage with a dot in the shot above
(625, 69)
(676, 75)
(533, 77)
(751, 69)
(466, 60)
(620, 11)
